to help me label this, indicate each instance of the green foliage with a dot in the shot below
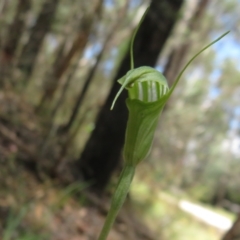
(69, 192)
(13, 222)
(12, 227)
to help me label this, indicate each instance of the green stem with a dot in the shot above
(118, 199)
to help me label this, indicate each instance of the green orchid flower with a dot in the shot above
(148, 93)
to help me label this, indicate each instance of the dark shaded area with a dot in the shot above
(15, 30)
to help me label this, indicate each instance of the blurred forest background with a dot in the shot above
(60, 145)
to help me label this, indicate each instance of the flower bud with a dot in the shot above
(147, 88)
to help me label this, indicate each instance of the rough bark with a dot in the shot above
(40, 29)
(103, 149)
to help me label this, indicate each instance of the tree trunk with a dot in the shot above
(15, 29)
(103, 149)
(31, 49)
(3, 5)
(234, 232)
(93, 70)
(63, 93)
(76, 49)
(13, 37)
(56, 64)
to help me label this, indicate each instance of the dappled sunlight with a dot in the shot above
(88, 91)
(169, 216)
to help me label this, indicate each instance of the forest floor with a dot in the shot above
(34, 203)
(35, 206)
(33, 210)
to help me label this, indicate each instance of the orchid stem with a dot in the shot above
(118, 199)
